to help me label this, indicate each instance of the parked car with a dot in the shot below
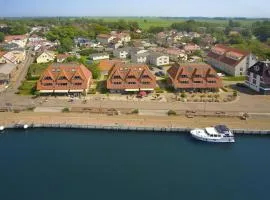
(161, 73)
(157, 74)
(242, 85)
(159, 67)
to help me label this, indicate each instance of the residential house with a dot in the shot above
(64, 79)
(124, 37)
(190, 48)
(105, 38)
(131, 78)
(46, 56)
(122, 53)
(140, 57)
(20, 40)
(194, 77)
(106, 65)
(62, 57)
(82, 42)
(159, 59)
(7, 71)
(99, 56)
(232, 61)
(258, 77)
(15, 57)
(2, 59)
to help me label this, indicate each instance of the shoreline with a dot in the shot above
(255, 125)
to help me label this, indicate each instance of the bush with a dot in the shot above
(183, 95)
(159, 90)
(171, 112)
(92, 91)
(135, 111)
(65, 110)
(235, 93)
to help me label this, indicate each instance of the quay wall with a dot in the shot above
(134, 128)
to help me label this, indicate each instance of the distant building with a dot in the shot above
(15, 57)
(65, 78)
(121, 53)
(159, 59)
(46, 56)
(62, 57)
(99, 56)
(20, 40)
(232, 61)
(105, 38)
(140, 58)
(106, 65)
(194, 77)
(258, 77)
(131, 78)
(190, 48)
(7, 71)
(2, 59)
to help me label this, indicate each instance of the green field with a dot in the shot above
(27, 88)
(37, 69)
(146, 22)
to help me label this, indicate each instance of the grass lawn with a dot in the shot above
(27, 88)
(37, 69)
(234, 78)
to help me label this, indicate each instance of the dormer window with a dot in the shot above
(77, 78)
(116, 77)
(47, 78)
(131, 76)
(197, 76)
(62, 78)
(145, 76)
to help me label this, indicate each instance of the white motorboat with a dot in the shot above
(218, 134)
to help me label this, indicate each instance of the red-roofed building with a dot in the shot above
(131, 78)
(193, 76)
(65, 78)
(62, 57)
(106, 65)
(232, 61)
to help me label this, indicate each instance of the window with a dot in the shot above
(117, 83)
(184, 82)
(198, 82)
(62, 84)
(47, 78)
(62, 78)
(241, 69)
(131, 83)
(132, 76)
(77, 77)
(145, 83)
(47, 84)
(212, 76)
(184, 76)
(145, 76)
(78, 84)
(211, 81)
(116, 77)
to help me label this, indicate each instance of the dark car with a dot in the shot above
(242, 85)
(159, 67)
(161, 73)
(157, 74)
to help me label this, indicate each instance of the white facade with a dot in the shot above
(100, 57)
(254, 81)
(159, 60)
(46, 57)
(123, 54)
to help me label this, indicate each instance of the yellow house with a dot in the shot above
(46, 56)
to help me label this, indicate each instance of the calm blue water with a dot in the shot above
(84, 164)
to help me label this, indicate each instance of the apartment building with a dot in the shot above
(65, 78)
(194, 77)
(232, 61)
(131, 78)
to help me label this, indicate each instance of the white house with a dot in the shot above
(105, 39)
(15, 57)
(100, 56)
(159, 59)
(121, 53)
(46, 56)
(258, 77)
(140, 58)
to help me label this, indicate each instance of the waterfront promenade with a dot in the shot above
(255, 123)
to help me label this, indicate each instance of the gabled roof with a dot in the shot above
(106, 65)
(228, 55)
(9, 38)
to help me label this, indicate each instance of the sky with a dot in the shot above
(172, 8)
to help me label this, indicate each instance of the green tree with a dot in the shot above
(2, 37)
